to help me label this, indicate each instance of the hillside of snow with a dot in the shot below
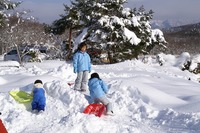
(147, 98)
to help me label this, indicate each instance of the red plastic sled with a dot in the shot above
(2, 128)
(96, 109)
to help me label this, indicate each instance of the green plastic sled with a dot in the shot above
(21, 96)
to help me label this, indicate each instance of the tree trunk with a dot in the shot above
(110, 58)
(18, 53)
(70, 38)
(69, 49)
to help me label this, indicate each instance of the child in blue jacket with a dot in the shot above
(39, 100)
(82, 66)
(98, 90)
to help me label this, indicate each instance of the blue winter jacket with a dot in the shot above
(81, 62)
(39, 96)
(97, 88)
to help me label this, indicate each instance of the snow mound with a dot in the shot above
(9, 64)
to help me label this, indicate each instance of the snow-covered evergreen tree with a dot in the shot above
(123, 33)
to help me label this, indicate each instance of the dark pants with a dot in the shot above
(37, 106)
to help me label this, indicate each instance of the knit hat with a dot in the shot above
(38, 81)
(95, 75)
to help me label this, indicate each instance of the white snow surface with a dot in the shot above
(9, 64)
(147, 98)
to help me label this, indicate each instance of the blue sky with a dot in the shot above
(170, 9)
(49, 10)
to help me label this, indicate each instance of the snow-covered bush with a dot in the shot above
(190, 63)
(37, 56)
(160, 59)
(195, 64)
(184, 61)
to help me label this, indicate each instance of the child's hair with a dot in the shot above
(82, 44)
(94, 75)
(38, 81)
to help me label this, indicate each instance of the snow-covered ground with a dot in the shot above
(147, 98)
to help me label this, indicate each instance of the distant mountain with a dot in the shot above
(185, 30)
(183, 38)
(159, 24)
